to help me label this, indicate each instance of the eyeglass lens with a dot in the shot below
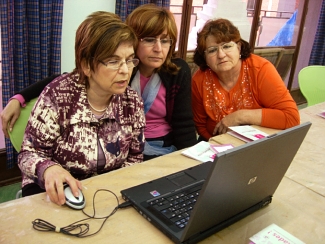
(227, 47)
(118, 64)
(150, 41)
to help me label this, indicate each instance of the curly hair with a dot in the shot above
(224, 31)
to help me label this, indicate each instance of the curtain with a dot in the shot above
(31, 47)
(317, 56)
(125, 7)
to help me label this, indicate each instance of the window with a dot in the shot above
(176, 7)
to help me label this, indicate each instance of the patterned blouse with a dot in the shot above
(62, 130)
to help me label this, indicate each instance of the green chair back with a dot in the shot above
(311, 81)
(18, 131)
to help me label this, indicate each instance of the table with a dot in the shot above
(298, 205)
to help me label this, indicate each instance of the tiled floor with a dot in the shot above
(8, 192)
(302, 106)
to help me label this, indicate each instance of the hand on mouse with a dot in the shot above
(55, 177)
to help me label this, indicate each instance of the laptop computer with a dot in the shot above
(217, 194)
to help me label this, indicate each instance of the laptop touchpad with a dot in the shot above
(181, 179)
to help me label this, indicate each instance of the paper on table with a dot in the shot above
(322, 114)
(246, 133)
(274, 234)
(204, 151)
(220, 148)
(201, 152)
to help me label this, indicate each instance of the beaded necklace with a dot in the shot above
(97, 110)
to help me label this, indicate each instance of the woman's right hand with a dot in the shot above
(55, 177)
(9, 116)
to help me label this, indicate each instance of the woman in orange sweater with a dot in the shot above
(235, 87)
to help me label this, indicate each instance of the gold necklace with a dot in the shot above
(97, 110)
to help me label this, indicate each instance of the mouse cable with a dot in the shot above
(78, 229)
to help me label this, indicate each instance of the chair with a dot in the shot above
(190, 62)
(272, 54)
(18, 131)
(311, 81)
(284, 62)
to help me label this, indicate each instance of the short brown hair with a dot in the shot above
(224, 31)
(97, 38)
(150, 20)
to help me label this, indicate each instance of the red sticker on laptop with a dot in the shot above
(155, 193)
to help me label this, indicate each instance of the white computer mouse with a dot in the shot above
(72, 201)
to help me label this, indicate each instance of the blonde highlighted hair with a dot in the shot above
(150, 20)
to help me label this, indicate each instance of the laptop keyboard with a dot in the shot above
(177, 207)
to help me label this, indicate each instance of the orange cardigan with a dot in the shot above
(259, 86)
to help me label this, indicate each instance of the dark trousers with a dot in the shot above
(31, 189)
(148, 157)
(168, 141)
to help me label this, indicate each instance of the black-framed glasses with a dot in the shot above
(151, 41)
(226, 48)
(117, 64)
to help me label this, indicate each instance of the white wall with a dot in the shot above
(74, 12)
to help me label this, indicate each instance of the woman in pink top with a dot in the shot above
(235, 87)
(163, 81)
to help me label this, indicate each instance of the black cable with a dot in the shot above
(124, 205)
(76, 229)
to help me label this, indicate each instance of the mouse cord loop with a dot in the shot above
(76, 229)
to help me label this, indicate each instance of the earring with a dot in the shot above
(239, 56)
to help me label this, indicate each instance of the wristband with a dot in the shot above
(20, 99)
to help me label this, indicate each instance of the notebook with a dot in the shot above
(237, 183)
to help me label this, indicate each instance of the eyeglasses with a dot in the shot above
(151, 41)
(116, 64)
(226, 48)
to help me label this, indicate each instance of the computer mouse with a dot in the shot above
(72, 201)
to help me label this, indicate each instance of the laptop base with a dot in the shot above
(205, 234)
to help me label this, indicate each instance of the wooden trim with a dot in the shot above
(185, 28)
(255, 23)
